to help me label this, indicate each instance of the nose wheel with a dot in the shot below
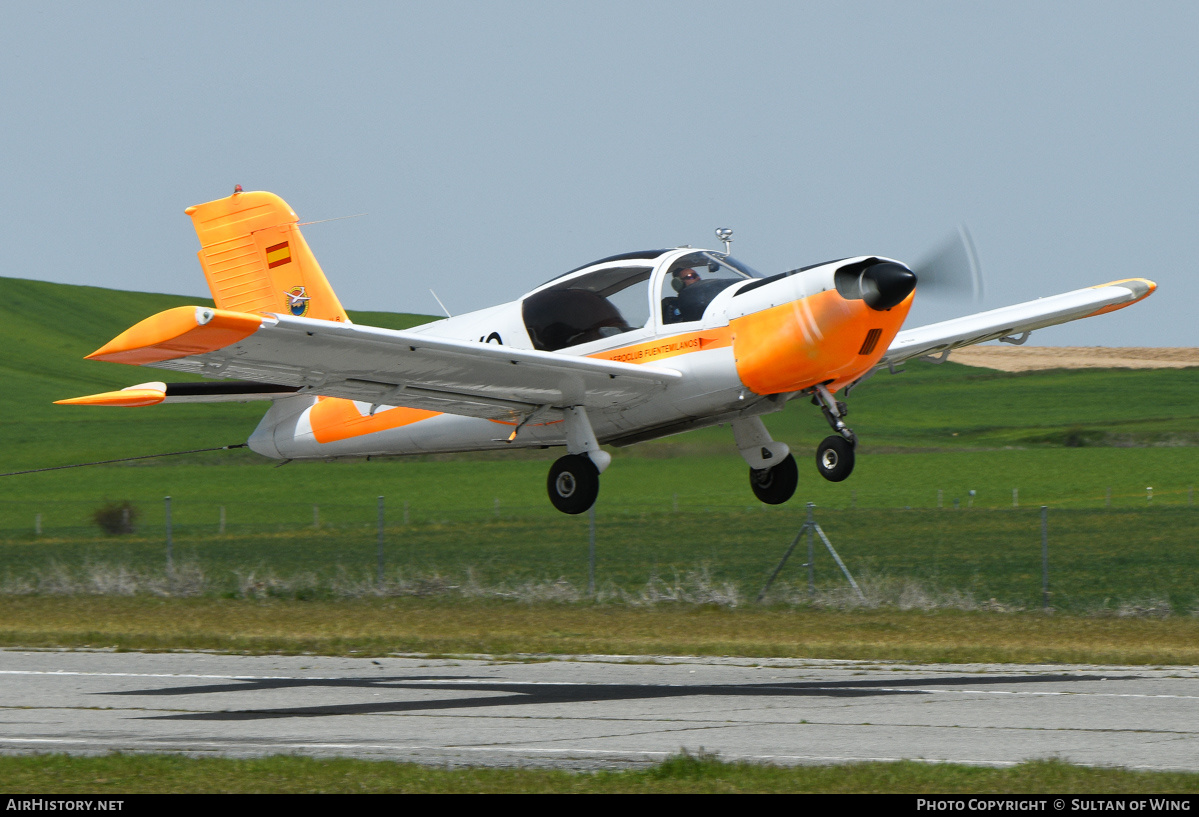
(834, 458)
(834, 455)
(573, 483)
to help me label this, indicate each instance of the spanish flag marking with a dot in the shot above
(278, 255)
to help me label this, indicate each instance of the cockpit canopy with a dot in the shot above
(629, 292)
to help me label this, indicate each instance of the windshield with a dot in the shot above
(694, 280)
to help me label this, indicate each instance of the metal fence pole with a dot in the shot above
(379, 571)
(170, 546)
(222, 525)
(1015, 497)
(37, 525)
(811, 552)
(591, 552)
(1045, 557)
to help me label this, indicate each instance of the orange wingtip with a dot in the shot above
(1142, 288)
(179, 332)
(125, 397)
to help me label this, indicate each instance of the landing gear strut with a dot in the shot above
(773, 473)
(573, 482)
(835, 454)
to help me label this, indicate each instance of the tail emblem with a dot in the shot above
(297, 301)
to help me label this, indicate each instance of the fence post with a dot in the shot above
(170, 549)
(316, 517)
(811, 552)
(380, 566)
(591, 552)
(1107, 503)
(222, 526)
(37, 525)
(1045, 557)
(1015, 497)
(939, 505)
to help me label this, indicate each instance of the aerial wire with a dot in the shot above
(124, 459)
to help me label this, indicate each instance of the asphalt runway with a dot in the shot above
(596, 711)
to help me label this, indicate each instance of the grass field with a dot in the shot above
(129, 774)
(440, 626)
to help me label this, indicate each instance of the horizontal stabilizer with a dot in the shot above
(151, 394)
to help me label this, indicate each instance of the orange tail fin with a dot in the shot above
(256, 260)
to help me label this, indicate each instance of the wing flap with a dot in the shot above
(1015, 320)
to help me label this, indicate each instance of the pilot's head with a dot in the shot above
(684, 278)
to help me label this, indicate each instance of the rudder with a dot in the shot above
(257, 261)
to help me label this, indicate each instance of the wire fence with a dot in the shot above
(1111, 553)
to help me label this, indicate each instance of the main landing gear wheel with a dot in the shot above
(834, 458)
(573, 483)
(776, 485)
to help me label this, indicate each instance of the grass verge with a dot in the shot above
(164, 774)
(436, 626)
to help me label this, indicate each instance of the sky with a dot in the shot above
(495, 145)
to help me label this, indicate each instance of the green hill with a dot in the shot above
(47, 329)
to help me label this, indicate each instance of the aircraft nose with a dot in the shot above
(886, 284)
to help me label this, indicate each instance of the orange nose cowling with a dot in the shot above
(822, 338)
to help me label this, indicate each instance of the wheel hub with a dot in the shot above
(565, 484)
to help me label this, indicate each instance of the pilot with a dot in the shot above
(679, 281)
(687, 277)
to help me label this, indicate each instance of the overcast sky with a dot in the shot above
(497, 144)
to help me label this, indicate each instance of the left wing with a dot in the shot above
(382, 366)
(1012, 321)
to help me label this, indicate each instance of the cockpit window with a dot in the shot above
(694, 280)
(598, 305)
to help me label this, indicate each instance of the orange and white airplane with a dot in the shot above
(629, 348)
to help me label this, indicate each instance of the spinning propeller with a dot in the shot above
(952, 271)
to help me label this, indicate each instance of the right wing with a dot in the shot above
(1010, 321)
(381, 366)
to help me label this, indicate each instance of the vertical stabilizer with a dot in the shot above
(256, 260)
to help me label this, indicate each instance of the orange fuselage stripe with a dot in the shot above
(335, 418)
(670, 346)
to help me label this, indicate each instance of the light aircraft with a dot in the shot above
(629, 348)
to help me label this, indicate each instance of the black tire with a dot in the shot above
(834, 458)
(776, 485)
(573, 483)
